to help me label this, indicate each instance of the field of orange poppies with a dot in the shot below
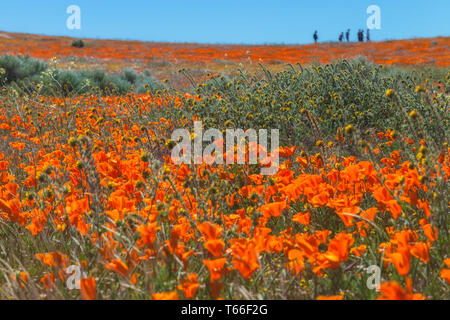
(92, 206)
(164, 59)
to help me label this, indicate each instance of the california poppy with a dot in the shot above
(87, 288)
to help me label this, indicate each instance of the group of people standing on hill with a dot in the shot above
(361, 35)
(347, 36)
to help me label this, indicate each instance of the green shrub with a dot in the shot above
(20, 67)
(312, 103)
(78, 43)
(26, 74)
(129, 75)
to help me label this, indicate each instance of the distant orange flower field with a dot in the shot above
(427, 51)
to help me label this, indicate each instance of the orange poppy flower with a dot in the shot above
(216, 268)
(118, 266)
(87, 288)
(445, 274)
(172, 295)
(430, 232)
(302, 218)
(210, 230)
(358, 251)
(286, 151)
(296, 263)
(273, 209)
(148, 234)
(5, 206)
(245, 258)
(393, 291)
(420, 251)
(215, 247)
(54, 259)
(190, 286)
(401, 260)
(337, 250)
(48, 280)
(339, 297)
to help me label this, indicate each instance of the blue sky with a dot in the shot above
(227, 21)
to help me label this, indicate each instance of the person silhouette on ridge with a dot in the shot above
(360, 35)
